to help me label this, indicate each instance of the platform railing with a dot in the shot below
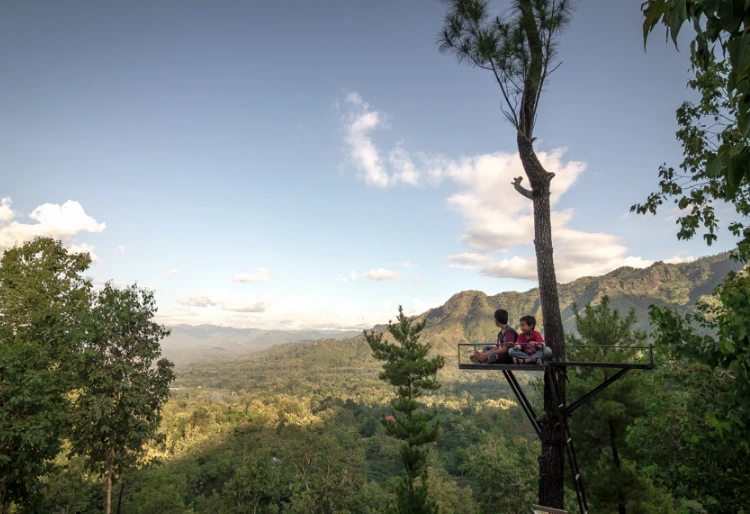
(645, 353)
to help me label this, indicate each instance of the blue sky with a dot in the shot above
(300, 164)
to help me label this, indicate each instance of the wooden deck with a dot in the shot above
(557, 364)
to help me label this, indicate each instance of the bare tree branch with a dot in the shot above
(524, 192)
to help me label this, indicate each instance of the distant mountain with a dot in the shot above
(190, 344)
(467, 317)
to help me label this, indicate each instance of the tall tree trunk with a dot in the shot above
(616, 457)
(552, 458)
(4, 502)
(109, 479)
(119, 497)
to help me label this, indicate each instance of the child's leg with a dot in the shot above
(518, 355)
(537, 357)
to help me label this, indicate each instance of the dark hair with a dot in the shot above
(529, 320)
(501, 315)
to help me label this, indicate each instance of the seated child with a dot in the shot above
(498, 354)
(530, 345)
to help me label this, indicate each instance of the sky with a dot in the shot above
(296, 164)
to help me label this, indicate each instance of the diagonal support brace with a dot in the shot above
(523, 400)
(598, 389)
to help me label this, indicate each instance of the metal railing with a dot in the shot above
(465, 350)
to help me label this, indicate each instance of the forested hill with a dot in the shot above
(467, 316)
(187, 344)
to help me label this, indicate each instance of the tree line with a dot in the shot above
(80, 372)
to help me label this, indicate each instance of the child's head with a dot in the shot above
(528, 324)
(501, 317)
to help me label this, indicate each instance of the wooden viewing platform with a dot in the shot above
(560, 364)
(560, 411)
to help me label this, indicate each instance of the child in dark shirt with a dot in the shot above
(530, 345)
(498, 354)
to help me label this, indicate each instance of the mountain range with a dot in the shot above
(187, 344)
(466, 317)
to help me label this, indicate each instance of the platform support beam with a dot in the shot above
(598, 389)
(523, 401)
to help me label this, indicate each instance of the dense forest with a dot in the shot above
(94, 416)
(299, 427)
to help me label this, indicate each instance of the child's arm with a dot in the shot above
(539, 341)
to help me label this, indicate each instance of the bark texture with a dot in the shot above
(109, 480)
(552, 458)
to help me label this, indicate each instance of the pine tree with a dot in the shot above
(519, 51)
(599, 430)
(407, 367)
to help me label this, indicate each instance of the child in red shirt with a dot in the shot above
(530, 345)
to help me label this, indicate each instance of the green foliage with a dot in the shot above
(504, 469)
(258, 486)
(155, 491)
(608, 466)
(678, 444)
(123, 383)
(718, 334)
(66, 488)
(706, 129)
(714, 135)
(298, 427)
(42, 297)
(407, 368)
(721, 29)
(519, 50)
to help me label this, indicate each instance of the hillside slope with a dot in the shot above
(189, 344)
(467, 317)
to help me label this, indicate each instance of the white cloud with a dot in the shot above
(120, 249)
(256, 275)
(216, 307)
(419, 307)
(679, 259)
(172, 273)
(359, 122)
(497, 219)
(61, 222)
(197, 301)
(221, 298)
(244, 306)
(6, 213)
(466, 260)
(84, 248)
(352, 277)
(574, 266)
(382, 274)
(456, 265)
